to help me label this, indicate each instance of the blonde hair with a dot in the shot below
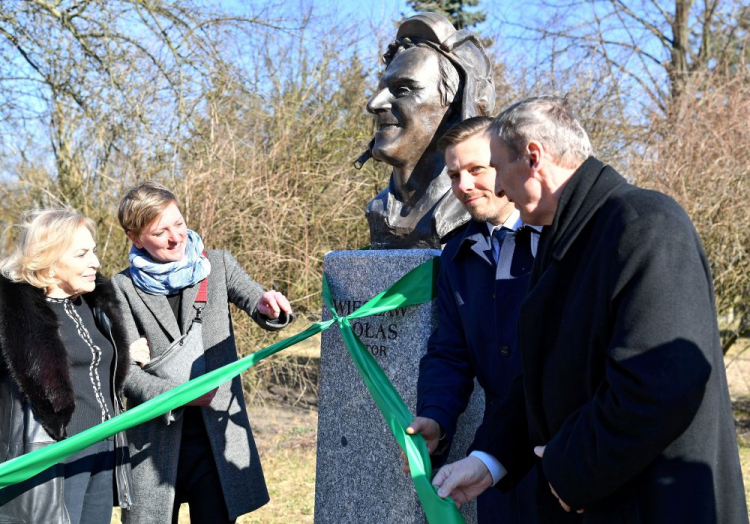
(44, 236)
(464, 130)
(142, 204)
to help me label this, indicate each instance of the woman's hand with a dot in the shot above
(272, 303)
(140, 352)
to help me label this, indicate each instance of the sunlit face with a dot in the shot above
(473, 180)
(515, 179)
(165, 238)
(407, 106)
(75, 270)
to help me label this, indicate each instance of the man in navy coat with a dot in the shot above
(484, 272)
(623, 384)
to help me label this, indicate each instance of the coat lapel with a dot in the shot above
(162, 312)
(478, 241)
(186, 308)
(607, 182)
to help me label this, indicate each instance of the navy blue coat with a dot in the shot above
(478, 310)
(622, 368)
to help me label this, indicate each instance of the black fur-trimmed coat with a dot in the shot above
(35, 377)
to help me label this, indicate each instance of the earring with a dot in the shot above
(51, 273)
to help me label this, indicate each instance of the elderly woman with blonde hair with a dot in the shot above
(63, 360)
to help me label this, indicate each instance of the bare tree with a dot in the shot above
(97, 93)
(649, 47)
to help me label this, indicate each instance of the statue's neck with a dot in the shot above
(411, 181)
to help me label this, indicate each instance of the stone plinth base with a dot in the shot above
(358, 473)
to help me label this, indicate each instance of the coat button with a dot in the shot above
(504, 350)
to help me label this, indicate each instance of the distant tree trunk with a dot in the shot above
(678, 68)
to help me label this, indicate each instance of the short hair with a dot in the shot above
(142, 204)
(470, 127)
(44, 236)
(549, 120)
(450, 80)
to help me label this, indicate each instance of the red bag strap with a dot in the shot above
(203, 290)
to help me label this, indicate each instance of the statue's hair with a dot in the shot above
(549, 120)
(450, 80)
(464, 130)
(44, 236)
(142, 204)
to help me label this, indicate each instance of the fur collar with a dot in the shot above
(33, 353)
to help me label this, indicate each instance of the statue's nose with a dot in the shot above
(380, 101)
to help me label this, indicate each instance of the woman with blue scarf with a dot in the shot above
(179, 295)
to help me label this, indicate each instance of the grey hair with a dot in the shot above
(549, 120)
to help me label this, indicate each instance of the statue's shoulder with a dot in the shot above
(453, 238)
(379, 204)
(449, 216)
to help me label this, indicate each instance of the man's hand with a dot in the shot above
(271, 304)
(539, 451)
(139, 352)
(430, 431)
(464, 480)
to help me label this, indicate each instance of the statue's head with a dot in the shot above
(435, 76)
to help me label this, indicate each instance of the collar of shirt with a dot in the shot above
(513, 222)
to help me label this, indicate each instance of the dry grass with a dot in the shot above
(286, 440)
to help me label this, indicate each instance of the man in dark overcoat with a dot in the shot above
(484, 273)
(623, 384)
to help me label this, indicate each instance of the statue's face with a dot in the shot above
(407, 107)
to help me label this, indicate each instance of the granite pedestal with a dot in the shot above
(358, 473)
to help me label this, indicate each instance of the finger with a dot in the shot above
(283, 303)
(579, 511)
(539, 451)
(450, 482)
(405, 464)
(416, 426)
(440, 477)
(271, 303)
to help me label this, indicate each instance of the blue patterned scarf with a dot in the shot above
(168, 278)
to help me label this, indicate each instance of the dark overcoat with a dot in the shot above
(622, 367)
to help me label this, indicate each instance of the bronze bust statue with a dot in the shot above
(435, 77)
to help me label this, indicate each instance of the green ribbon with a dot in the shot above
(416, 287)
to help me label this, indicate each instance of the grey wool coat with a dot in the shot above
(155, 445)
